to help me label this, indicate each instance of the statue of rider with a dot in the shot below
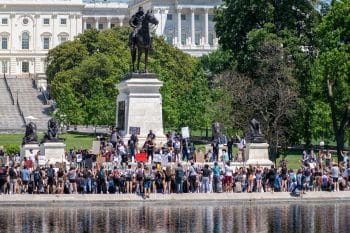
(136, 23)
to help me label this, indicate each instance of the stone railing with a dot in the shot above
(21, 112)
(9, 90)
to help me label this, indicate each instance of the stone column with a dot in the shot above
(193, 30)
(121, 19)
(11, 39)
(206, 27)
(54, 17)
(109, 22)
(78, 23)
(84, 23)
(12, 65)
(179, 26)
(96, 22)
(72, 29)
(35, 36)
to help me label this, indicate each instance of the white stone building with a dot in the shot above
(29, 28)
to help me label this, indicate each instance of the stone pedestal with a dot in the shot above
(139, 107)
(54, 152)
(257, 154)
(25, 150)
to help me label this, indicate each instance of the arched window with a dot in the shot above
(63, 37)
(25, 40)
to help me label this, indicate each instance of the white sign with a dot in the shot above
(157, 158)
(96, 147)
(41, 160)
(79, 158)
(185, 131)
(165, 159)
(116, 158)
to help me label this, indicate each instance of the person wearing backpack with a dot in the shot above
(206, 172)
(101, 177)
(147, 183)
(179, 178)
(216, 177)
(192, 178)
(139, 178)
(129, 173)
(13, 179)
(25, 175)
(50, 172)
(72, 176)
(37, 177)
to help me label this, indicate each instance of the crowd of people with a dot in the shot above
(113, 171)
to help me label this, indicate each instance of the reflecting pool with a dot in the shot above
(197, 217)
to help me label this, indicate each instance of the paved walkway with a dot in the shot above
(238, 198)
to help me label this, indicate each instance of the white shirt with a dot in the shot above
(228, 170)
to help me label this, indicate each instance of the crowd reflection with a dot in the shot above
(182, 218)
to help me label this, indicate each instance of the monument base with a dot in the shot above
(26, 148)
(139, 107)
(54, 152)
(257, 154)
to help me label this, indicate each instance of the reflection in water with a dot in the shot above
(221, 217)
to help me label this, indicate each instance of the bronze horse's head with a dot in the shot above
(150, 18)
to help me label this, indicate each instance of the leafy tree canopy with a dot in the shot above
(235, 19)
(332, 68)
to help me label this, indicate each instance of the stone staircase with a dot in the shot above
(30, 100)
(10, 118)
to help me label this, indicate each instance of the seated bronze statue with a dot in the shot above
(255, 134)
(52, 131)
(30, 135)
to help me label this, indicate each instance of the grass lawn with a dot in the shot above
(71, 140)
(294, 156)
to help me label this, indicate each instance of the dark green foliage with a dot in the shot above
(332, 69)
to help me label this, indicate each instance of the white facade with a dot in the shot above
(29, 28)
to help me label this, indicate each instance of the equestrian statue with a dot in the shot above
(140, 40)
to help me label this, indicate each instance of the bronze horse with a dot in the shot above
(142, 41)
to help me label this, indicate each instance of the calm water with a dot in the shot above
(183, 218)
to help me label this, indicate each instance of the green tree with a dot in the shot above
(235, 19)
(332, 68)
(12, 149)
(291, 21)
(268, 93)
(67, 56)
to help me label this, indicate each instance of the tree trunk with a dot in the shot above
(340, 139)
(339, 131)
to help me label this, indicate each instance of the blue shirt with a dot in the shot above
(25, 175)
(216, 171)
